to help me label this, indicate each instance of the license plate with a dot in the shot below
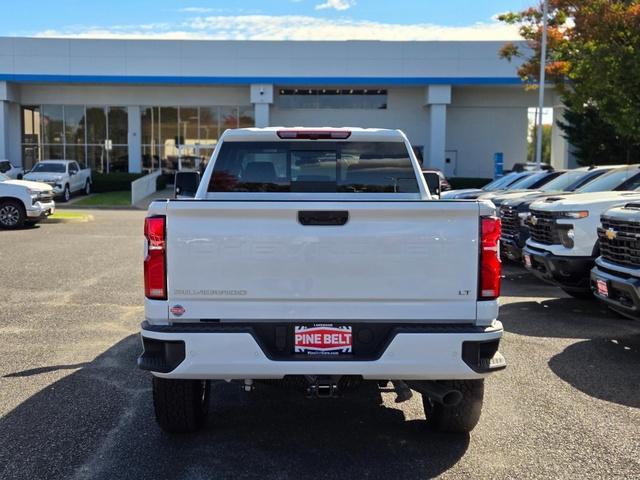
(527, 260)
(323, 339)
(603, 287)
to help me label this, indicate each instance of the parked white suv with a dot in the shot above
(65, 176)
(23, 202)
(318, 257)
(10, 170)
(564, 231)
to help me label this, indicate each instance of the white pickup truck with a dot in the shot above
(23, 202)
(65, 176)
(317, 257)
(564, 243)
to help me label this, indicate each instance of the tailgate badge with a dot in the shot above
(177, 310)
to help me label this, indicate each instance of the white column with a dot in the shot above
(135, 145)
(262, 98)
(437, 98)
(4, 130)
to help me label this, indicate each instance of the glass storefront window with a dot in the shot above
(76, 132)
(228, 118)
(97, 158)
(168, 124)
(96, 125)
(150, 157)
(188, 126)
(74, 124)
(30, 156)
(149, 123)
(53, 123)
(53, 152)
(208, 125)
(246, 118)
(75, 152)
(31, 125)
(118, 127)
(119, 159)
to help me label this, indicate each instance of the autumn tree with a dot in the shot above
(593, 59)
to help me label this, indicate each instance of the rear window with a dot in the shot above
(321, 167)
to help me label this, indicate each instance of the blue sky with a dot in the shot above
(262, 19)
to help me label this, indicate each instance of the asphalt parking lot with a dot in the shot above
(73, 404)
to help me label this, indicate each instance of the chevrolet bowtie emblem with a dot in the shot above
(534, 220)
(611, 234)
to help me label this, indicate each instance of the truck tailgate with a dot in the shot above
(254, 260)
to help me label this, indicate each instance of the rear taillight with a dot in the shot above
(490, 264)
(314, 134)
(155, 263)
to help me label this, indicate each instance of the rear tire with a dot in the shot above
(181, 406)
(461, 418)
(12, 214)
(580, 294)
(87, 188)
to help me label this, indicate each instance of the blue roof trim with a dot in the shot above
(177, 80)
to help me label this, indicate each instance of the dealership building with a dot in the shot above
(140, 105)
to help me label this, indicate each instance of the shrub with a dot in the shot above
(458, 183)
(112, 182)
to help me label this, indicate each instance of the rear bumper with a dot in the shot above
(236, 353)
(571, 273)
(624, 291)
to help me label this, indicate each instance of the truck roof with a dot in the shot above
(56, 161)
(271, 134)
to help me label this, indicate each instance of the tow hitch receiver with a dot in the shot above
(321, 387)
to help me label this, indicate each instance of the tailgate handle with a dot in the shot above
(323, 217)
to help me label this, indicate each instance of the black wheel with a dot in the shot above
(580, 294)
(87, 188)
(181, 406)
(462, 417)
(12, 214)
(66, 194)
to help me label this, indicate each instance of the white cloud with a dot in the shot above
(266, 27)
(336, 4)
(195, 10)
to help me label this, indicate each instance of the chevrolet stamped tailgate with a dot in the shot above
(308, 260)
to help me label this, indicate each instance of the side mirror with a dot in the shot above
(433, 182)
(186, 184)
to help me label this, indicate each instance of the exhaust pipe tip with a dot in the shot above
(451, 398)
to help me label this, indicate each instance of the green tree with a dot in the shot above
(593, 141)
(593, 59)
(546, 143)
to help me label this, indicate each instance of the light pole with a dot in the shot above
(543, 64)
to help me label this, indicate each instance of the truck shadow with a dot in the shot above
(563, 318)
(97, 422)
(608, 369)
(605, 364)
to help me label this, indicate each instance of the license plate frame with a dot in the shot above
(323, 339)
(602, 287)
